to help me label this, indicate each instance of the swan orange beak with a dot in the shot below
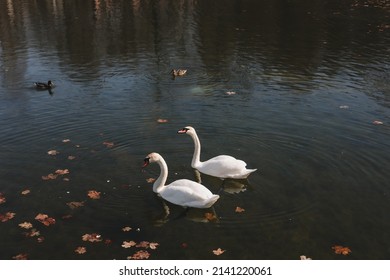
(183, 130)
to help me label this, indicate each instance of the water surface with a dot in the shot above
(311, 112)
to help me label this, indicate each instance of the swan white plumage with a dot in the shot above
(222, 166)
(181, 192)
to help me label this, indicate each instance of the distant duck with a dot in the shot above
(178, 72)
(40, 85)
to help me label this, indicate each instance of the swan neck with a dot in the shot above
(160, 182)
(196, 157)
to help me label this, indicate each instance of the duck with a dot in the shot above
(178, 72)
(40, 85)
(222, 166)
(182, 192)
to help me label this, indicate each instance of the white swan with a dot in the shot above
(182, 192)
(222, 166)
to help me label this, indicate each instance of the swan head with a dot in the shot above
(187, 130)
(150, 158)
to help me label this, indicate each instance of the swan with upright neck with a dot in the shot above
(181, 192)
(222, 166)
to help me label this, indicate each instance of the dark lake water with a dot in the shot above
(310, 110)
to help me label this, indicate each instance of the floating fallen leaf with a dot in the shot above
(239, 209)
(26, 225)
(341, 250)
(304, 258)
(7, 216)
(128, 244)
(94, 194)
(150, 180)
(25, 192)
(75, 204)
(80, 250)
(53, 152)
(40, 239)
(71, 157)
(92, 237)
(66, 140)
(230, 92)
(50, 176)
(126, 229)
(344, 107)
(162, 120)
(20, 257)
(140, 255)
(153, 245)
(143, 244)
(45, 219)
(107, 241)
(2, 198)
(62, 171)
(377, 122)
(210, 217)
(32, 233)
(108, 144)
(218, 252)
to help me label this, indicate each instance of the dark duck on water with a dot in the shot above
(40, 85)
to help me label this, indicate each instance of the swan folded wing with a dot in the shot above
(188, 193)
(225, 166)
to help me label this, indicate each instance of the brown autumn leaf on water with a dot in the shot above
(53, 152)
(239, 209)
(127, 228)
(140, 255)
(92, 237)
(150, 180)
(45, 219)
(340, 250)
(71, 157)
(32, 233)
(162, 120)
(50, 176)
(210, 217)
(94, 194)
(153, 245)
(75, 204)
(304, 258)
(2, 198)
(25, 192)
(26, 225)
(128, 244)
(66, 140)
(80, 250)
(62, 171)
(22, 256)
(108, 144)
(218, 252)
(7, 216)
